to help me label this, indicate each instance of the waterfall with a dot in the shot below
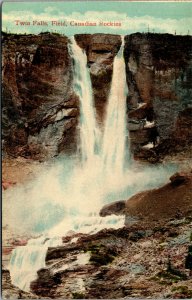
(83, 88)
(26, 260)
(114, 139)
(107, 150)
(99, 156)
(66, 198)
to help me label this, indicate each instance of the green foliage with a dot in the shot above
(182, 290)
(78, 296)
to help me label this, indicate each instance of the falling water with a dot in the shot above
(113, 152)
(25, 261)
(83, 88)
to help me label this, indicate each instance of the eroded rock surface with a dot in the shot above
(129, 262)
(40, 110)
(159, 79)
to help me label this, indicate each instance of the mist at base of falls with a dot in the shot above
(66, 194)
(65, 199)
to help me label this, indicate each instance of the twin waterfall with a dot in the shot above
(109, 148)
(103, 156)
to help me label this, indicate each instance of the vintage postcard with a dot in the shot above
(96, 150)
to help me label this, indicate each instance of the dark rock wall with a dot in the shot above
(40, 111)
(159, 77)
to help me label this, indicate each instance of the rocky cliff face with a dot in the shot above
(159, 79)
(40, 109)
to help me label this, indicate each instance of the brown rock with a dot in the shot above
(158, 68)
(165, 202)
(37, 92)
(116, 208)
(179, 178)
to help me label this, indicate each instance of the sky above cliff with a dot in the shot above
(97, 17)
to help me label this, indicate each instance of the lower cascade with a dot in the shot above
(71, 194)
(25, 261)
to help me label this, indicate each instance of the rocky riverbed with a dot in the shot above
(142, 261)
(148, 258)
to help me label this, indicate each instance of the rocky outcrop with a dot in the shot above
(101, 50)
(159, 72)
(169, 201)
(138, 262)
(40, 110)
(115, 208)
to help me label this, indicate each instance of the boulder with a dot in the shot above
(179, 178)
(172, 200)
(169, 201)
(116, 208)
